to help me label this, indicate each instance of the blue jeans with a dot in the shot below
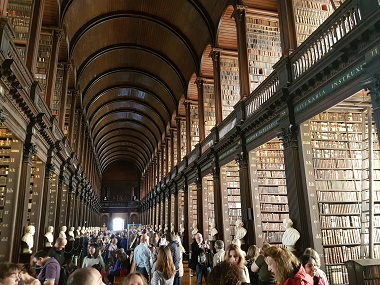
(143, 271)
(202, 270)
(177, 279)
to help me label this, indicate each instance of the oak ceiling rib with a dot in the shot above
(126, 105)
(127, 140)
(126, 132)
(120, 157)
(130, 77)
(118, 154)
(122, 150)
(131, 93)
(141, 119)
(144, 132)
(138, 15)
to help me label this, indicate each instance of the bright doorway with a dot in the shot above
(118, 224)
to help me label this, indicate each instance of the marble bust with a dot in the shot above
(213, 232)
(195, 229)
(181, 229)
(70, 234)
(291, 235)
(28, 239)
(77, 232)
(62, 233)
(49, 237)
(240, 230)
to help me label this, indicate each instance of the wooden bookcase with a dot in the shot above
(19, 15)
(209, 107)
(208, 205)
(194, 125)
(169, 158)
(67, 115)
(52, 201)
(231, 199)
(63, 212)
(263, 44)
(183, 151)
(10, 168)
(193, 206)
(270, 193)
(167, 214)
(364, 272)
(230, 85)
(309, 15)
(43, 60)
(56, 102)
(181, 208)
(35, 191)
(172, 202)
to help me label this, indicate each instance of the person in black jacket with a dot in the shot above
(199, 262)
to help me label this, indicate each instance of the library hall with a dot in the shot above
(243, 135)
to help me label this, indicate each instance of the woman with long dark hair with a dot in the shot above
(93, 259)
(234, 255)
(165, 270)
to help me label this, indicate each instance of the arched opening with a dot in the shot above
(118, 224)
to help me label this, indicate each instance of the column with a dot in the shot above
(65, 85)
(3, 8)
(59, 199)
(287, 26)
(178, 122)
(171, 148)
(52, 73)
(201, 109)
(78, 133)
(166, 155)
(34, 35)
(176, 207)
(74, 96)
(239, 15)
(218, 204)
(188, 128)
(199, 204)
(163, 202)
(375, 99)
(163, 162)
(217, 85)
(186, 236)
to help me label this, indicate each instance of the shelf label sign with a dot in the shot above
(329, 88)
(262, 131)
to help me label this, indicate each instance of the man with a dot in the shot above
(176, 255)
(142, 257)
(198, 247)
(85, 276)
(57, 251)
(50, 272)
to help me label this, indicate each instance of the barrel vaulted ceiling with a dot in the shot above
(132, 62)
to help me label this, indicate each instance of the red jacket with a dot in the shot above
(301, 278)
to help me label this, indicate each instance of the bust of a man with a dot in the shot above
(49, 236)
(213, 232)
(240, 230)
(28, 239)
(181, 229)
(62, 233)
(291, 235)
(71, 234)
(77, 232)
(195, 229)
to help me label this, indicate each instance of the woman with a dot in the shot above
(235, 256)
(135, 278)
(286, 267)
(9, 274)
(252, 254)
(259, 265)
(165, 270)
(319, 272)
(225, 273)
(93, 257)
(309, 263)
(122, 265)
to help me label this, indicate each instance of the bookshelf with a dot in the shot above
(56, 102)
(174, 146)
(263, 45)
(208, 205)
(172, 206)
(35, 191)
(181, 208)
(43, 59)
(167, 214)
(209, 107)
(63, 207)
(169, 158)
(364, 271)
(193, 205)
(158, 205)
(270, 193)
(67, 115)
(183, 151)
(230, 182)
(230, 85)
(19, 15)
(52, 201)
(309, 15)
(10, 167)
(194, 127)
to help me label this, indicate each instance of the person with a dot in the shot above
(93, 257)
(26, 278)
(122, 265)
(124, 242)
(252, 254)
(50, 271)
(182, 251)
(173, 245)
(57, 251)
(235, 256)
(111, 248)
(28, 238)
(135, 278)
(49, 237)
(308, 262)
(286, 268)
(219, 255)
(319, 272)
(240, 230)
(225, 273)
(198, 247)
(9, 274)
(291, 235)
(142, 257)
(165, 269)
(260, 266)
(62, 233)
(85, 276)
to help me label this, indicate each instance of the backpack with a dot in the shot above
(205, 258)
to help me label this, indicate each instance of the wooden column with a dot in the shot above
(62, 106)
(166, 155)
(200, 215)
(188, 128)
(163, 162)
(201, 109)
(375, 99)
(74, 96)
(218, 204)
(34, 35)
(59, 199)
(217, 85)
(169, 209)
(171, 149)
(52, 73)
(240, 19)
(287, 26)
(178, 121)
(187, 238)
(3, 8)
(176, 207)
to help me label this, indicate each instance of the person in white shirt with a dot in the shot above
(219, 255)
(142, 256)
(93, 258)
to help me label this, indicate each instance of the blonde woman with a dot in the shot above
(235, 256)
(165, 270)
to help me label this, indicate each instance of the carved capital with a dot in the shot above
(49, 170)
(2, 117)
(375, 91)
(30, 149)
(239, 13)
(242, 160)
(289, 136)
